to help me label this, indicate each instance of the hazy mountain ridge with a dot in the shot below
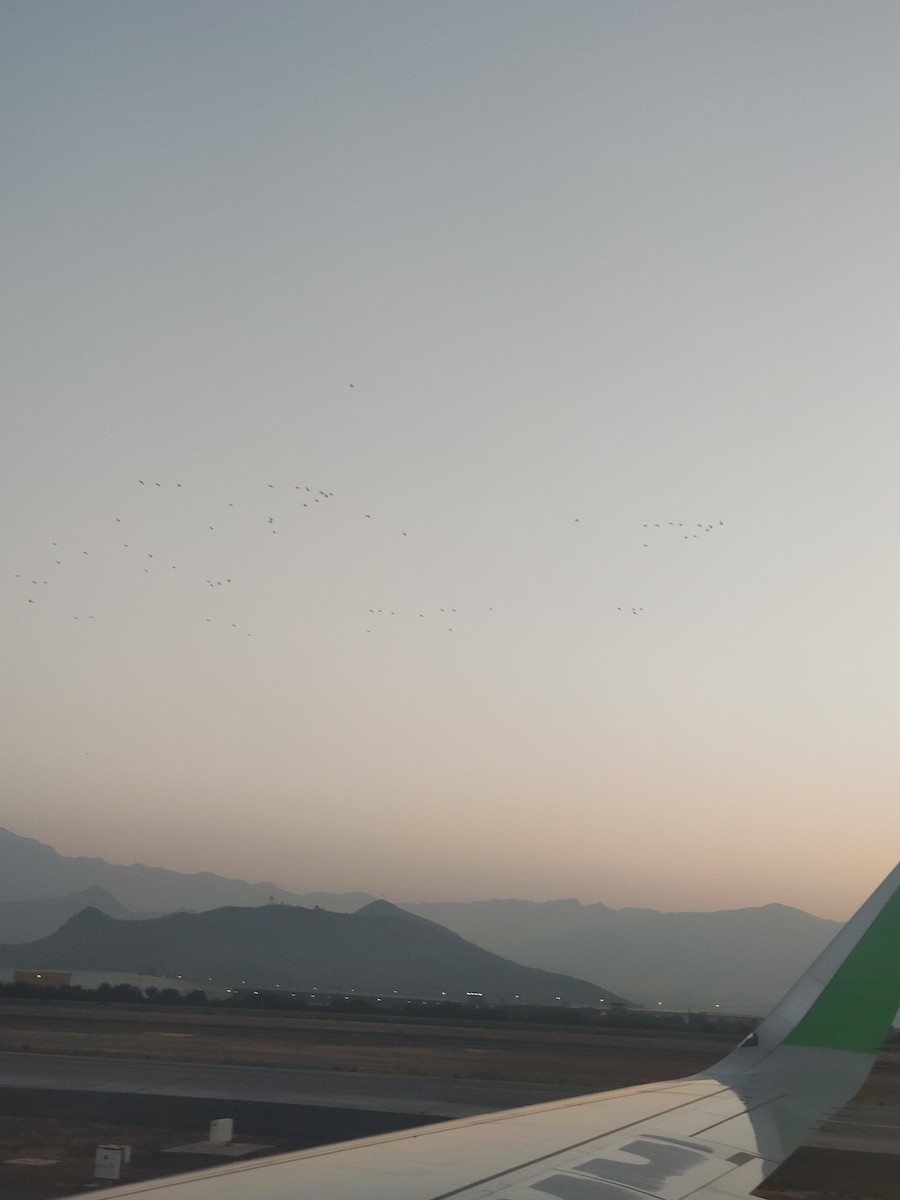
(739, 958)
(25, 920)
(378, 950)
(31, 870)
(742, 958)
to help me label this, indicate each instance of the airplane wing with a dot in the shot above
(712, 1136)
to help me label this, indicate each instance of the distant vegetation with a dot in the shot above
(617, 1017)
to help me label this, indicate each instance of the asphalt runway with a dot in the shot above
(861, 1127)
(447, 1098)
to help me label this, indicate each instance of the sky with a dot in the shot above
(449, 450)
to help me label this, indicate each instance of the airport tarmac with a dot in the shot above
(430, 1097)
(873, 1128)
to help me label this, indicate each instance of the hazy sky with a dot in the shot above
(450, 449)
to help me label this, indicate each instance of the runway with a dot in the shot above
(446, 1098)
(861, 1127)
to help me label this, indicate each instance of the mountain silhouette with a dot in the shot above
(25, 920)
(30, 870)
(380, 950)
(742, 959)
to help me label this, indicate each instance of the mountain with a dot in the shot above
(741, 959)
(31, 870)
(379, 949)
(25, 920)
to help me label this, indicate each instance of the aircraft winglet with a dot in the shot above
(846, 1001)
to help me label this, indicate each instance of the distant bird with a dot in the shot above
(141, 482)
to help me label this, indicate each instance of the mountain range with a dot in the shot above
(379, 950)
(741, 959)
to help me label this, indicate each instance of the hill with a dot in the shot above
(741, 959)
(380, 949)
(31, 870)
(25, 920)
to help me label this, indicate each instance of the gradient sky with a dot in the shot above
(514, 391)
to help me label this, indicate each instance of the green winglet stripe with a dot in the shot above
(855, 1010)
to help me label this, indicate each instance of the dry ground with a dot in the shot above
(52, 1125)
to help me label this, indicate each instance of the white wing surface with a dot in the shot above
(712, 1136)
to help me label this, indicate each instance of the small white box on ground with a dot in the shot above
(221, 1132)
(108, 1162)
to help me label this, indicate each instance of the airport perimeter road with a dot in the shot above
(327, 1089)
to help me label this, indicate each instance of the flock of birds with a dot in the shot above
(278, 515)
(677, 526)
